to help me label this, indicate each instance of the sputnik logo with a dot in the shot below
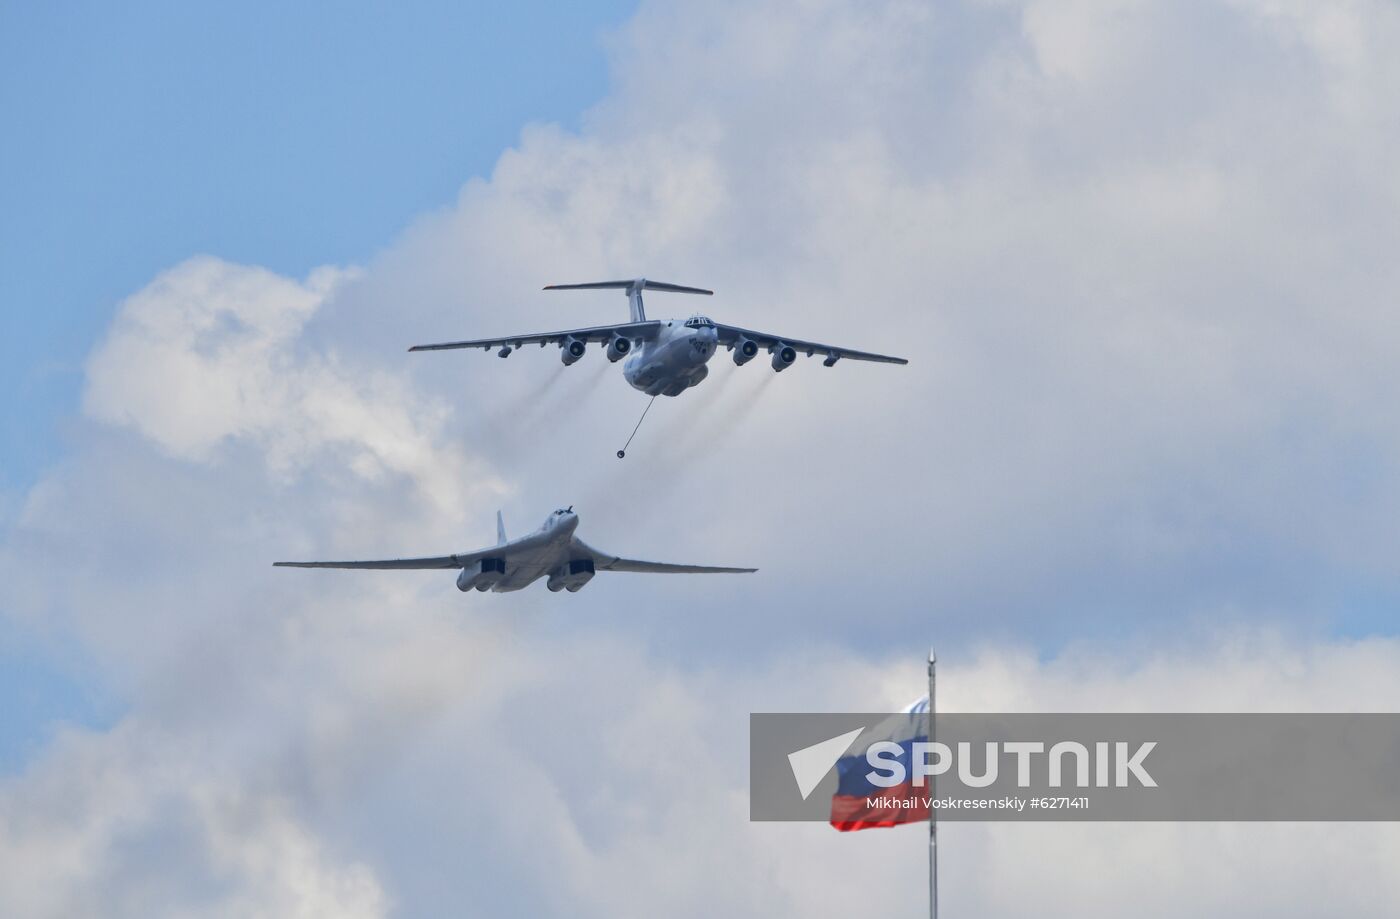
(811, 764)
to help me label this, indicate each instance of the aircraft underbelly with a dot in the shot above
(670, 368)
(527, 568)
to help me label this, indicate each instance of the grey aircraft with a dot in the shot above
(665, 357)
(552, 551)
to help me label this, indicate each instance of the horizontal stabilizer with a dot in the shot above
(634, 290)
(676, 288)
(637, 283)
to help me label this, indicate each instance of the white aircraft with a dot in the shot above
(552, 551)
(667, 356)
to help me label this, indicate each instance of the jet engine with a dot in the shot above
(783, 356)
(744, 351)
(572, 576)
(483, 575)
(571, 349)
(619, 348)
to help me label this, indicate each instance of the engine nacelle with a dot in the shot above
(572, 576)
(744, 351)
(481, 576)
(619, 348)
(571, 349)
(783, 356)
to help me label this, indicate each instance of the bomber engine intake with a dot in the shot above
(571, 576)
(483, 575)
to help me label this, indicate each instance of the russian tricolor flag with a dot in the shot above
(861, 805)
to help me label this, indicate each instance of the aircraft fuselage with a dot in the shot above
(674, 360)
(547, 552)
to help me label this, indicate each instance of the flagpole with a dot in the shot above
(932, 792)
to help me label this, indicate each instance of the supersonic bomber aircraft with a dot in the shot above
(552, 551)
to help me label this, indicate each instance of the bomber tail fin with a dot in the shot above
(634, 290)
(500, 529)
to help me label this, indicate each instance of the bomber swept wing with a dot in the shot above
(403, 564)
(732, 336)
(602, 561)
(639, 331)
(552, 553)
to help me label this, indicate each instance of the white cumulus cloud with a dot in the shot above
(1141, 256)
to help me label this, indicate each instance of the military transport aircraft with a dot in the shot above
(667, 356)
(552, 551)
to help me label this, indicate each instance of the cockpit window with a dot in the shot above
(699, 322)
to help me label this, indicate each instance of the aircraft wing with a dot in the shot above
(732, 335)
(435, 561)
(602, 561)
(599, 333)
(632, 564)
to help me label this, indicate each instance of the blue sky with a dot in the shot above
(1140, 256)
(286, 135)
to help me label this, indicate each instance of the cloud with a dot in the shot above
(206, 354)
(1147, 305)
(403, 778)
(1141, 256)
(131, 824)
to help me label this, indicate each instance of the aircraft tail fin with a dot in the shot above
(500, 529)
(634, 290)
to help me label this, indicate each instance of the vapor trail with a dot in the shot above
(692, 407)
(504, 424)
(552, 398)
(721, 417)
